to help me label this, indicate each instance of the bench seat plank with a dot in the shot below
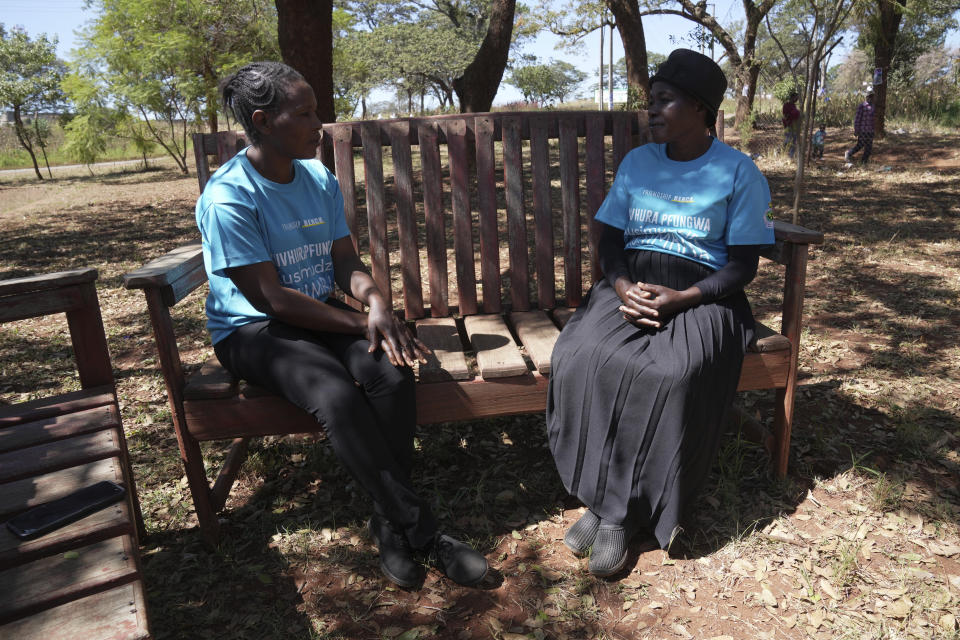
(117, 614)
(562, 315)
(453, 401)
(29, 434)
(211, 381)
(497, 353)
(447, 362)
(53, 456)
(23, 494)
(93, 568)
(112, 521)
(538, 334)
(56, 405)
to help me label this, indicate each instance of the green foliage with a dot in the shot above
(413, 48)
(923, 28)
(29, 82)
(162, 60)
(745, 129)
(85, 141)
(544, 83)
(785, 86)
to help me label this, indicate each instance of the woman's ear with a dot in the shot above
(259, 119)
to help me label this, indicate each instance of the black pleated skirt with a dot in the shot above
(634, 415)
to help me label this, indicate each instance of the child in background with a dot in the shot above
(818, 138)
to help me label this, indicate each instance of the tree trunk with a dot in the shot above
(630, 27)
(24, 138)
(305, 33)
(749, 70)
(213, 102)
(478, 85)
(43, 147)
(891, 14)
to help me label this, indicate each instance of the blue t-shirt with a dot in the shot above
(692, 209)
(245, 218)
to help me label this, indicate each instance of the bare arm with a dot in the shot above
(260, 284)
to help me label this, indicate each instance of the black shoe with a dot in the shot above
(457, 561)
(396, 555)
(609, 554)
(579, 537)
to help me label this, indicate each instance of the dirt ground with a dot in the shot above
(861, 540)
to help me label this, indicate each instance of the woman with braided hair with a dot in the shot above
(275, 243)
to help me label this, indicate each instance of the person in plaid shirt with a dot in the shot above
(863, 128)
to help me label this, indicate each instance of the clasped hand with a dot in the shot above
(651, 305)
(386, 331)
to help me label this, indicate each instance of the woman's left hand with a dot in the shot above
(651, 305)
(386, 330)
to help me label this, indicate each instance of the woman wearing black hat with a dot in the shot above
(645, 370)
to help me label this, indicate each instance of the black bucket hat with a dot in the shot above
(695, 74)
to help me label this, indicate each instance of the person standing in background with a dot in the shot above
(863, 129)
(791, 123)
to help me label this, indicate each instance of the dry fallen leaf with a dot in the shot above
(944, 549)
(815, 618)
(829, 589)
(768, 598)
(898, 609)
(948, 622)
(743, 567)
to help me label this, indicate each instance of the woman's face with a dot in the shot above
(673, 114)
(293, 129)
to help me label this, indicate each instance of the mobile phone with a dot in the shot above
(53, 515)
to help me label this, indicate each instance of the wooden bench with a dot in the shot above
(505, 203)
(83, 580)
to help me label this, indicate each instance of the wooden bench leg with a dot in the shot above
(782, 425)
(199, 487)
(231, 466)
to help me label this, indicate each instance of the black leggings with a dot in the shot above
(366, 405)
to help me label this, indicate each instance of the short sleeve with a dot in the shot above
(340, 228)
(747, 220)
(233, 237)
(614, 209)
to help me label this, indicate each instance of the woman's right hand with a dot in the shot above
(631, 297)
(387, 331)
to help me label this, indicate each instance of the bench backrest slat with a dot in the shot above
(542, 211)
(487, 207)
(516, 216)
(622, 139)
(433, 217)
(376, 213)
(570, 205)
(406, 220)
(483, 189)
(342, 135)
(456, 131)
(595, 186)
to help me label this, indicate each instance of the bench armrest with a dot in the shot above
(786, 232)
(166, 269)
(47, 281)
(176, 273)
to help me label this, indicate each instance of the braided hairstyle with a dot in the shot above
(258, 85)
